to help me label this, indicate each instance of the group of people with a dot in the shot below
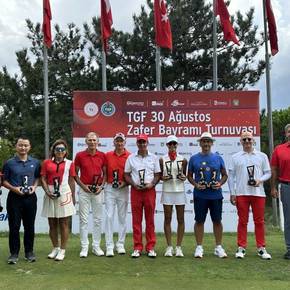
(107, 177)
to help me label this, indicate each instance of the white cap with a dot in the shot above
(120, 135)
(206, 135)
(171, 138)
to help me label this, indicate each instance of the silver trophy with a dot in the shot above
(25, 188)
(141, 173)
(251, 174)
(115, 183)
(179, 169)
(168, 165)
(56, 185)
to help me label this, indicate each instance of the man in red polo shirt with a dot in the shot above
(91, 164)
(280, 165)
(116, 194)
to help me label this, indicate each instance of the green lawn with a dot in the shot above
(123, 272)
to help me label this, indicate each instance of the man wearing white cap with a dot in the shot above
(207, 173)
(116, 195)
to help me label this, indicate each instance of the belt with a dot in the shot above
(285, 182)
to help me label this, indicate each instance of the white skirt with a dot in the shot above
(173, 198)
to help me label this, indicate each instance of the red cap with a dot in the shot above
(142, 137)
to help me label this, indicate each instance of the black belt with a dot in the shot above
(285, 182)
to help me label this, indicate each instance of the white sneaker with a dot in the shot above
(121, 250)
(110, 253)
(60, 255)
(84, 253)
(98, 251)
(178, 252)
(220, 252)
(151, 254)
(169, 251)
(53, 253)
(198, 252)
(136, 254)
(240, 253)
(263, 254)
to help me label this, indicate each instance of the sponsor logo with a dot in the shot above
(199, 104)
(236, 102)
(220, 103)
(157, 103)
(108, 109)
(176, 103)
(91, 109)
(193, 144)
(103, 145)
(226, 144)
(135, 103)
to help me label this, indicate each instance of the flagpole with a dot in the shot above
(104, 72)
(158, 69)
(46, 102)
(215, 70)
(269, 107)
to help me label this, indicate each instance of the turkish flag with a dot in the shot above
(106, 22)
(228, 30)
(46, 29)
(163, 36)
(272, 28)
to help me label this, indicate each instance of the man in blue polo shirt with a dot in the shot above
(207, 173)
(21, 174)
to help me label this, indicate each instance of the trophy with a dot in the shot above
(94, 187)
(179, 168)
(115, 183)
(251, 180)
(168, 165)
(142, 177)
(213, 181)
(56, 184)
(202, 177)
(25, 188)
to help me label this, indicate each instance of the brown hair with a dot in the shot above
(58, 142)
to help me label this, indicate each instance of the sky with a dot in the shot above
(13, 32)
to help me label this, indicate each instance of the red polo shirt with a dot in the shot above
(90, 165)
(116, 162)
(51, 169)
(281, 160)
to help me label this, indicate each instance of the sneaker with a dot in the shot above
(84, 252)
(98, 251)
(136, 254)
(263, 254)
(178, 252)
(110, 253)
(220, 252)
(151, 254)
(169, 251)
(60, 255)
(13, 259)
(240, 253)
(287, 255)
(198, 252)
(30, 257)
(53, 253)
(121, 250)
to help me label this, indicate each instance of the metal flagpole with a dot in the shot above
(46, 102)
(269, 107)
(215, 70)
(158, 69)
(104, 72)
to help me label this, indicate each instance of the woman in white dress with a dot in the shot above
(57, 176)
(173, 168)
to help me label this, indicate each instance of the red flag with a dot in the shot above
(106, 22)
(228, 30)
(163, 36)
(46, 29)
(272, 28)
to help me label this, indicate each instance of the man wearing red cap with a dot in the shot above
(142, 172)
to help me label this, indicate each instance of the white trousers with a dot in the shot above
(88, 201)
(116, 198)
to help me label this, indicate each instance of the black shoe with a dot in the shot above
(30, 257)
(13, 259)
(287, 255)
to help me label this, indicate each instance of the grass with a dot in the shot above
(123, 272)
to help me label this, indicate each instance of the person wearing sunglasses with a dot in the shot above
(248, 170)
(173, 174)
(57, 177)
(207, 173)
(280, 165)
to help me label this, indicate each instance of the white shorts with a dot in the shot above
(173, 198)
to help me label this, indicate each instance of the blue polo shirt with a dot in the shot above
(15, 169)
(208, 162)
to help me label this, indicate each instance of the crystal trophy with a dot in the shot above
(115, 183)
(56, 185)
(202, 177)
(25, 188)
(179, 169)
(251, 180)
(141, 177)
(213, 181)
(168, 165)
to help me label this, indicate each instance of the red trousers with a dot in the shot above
(257, 204)
(143, 200)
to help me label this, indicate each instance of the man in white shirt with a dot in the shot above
(142, 172)
(248, 169)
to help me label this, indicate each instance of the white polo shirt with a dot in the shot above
(136, 162)
(238, 173)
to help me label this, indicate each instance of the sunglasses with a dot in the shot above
(59, 149)
(247, 139)
(172, 143)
